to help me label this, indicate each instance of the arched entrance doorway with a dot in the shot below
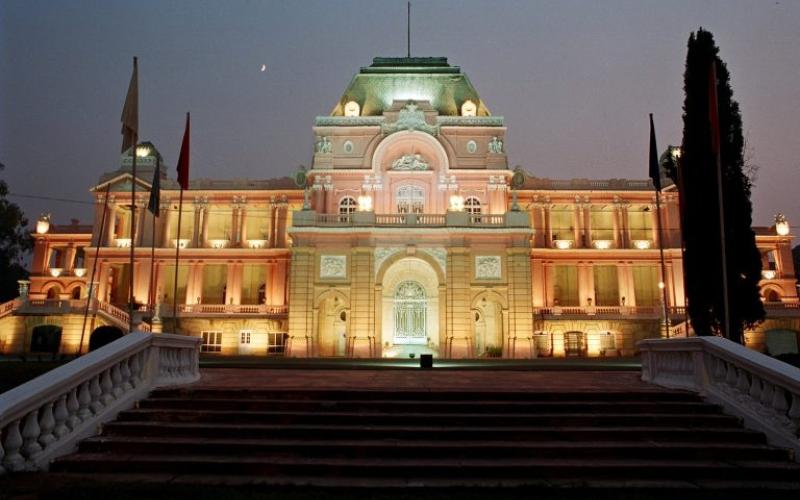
(409, 312)
(489, 325)
(332, 321)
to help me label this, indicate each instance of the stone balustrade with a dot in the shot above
(46, 417)
(310, 218)
(761, 390)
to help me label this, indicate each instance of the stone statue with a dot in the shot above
(410, 162)
(496, 146)
(324, 146)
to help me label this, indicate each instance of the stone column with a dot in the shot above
(111, 218)
(198, 211)
(656, 222)
(617, 227)
(243, 226)
(576, 225)
(204, 226)
(548, 228)
(164, 220)
(281, 229)
(69, 258)
(587, 225)
(626, 235)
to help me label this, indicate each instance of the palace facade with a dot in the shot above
(412, 236)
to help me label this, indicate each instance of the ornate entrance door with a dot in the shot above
(410, 314)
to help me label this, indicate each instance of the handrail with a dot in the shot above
(46, 417)
(7, 308)
(763, 391)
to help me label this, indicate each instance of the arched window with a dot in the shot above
(347, 205)
(472, 205)
(410, 199)
(410, 313)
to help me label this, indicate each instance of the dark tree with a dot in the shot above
(697, 181)
(15, 242)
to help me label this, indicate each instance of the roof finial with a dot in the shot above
(408, 30)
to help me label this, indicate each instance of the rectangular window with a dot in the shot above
(561, 224)
(645, 285)
(640, 224)
(276, 342)
(565, 289)
(212, 342)
(244, 337)
(602, 225)
(168, 282)
(254, 281)
(606, 286)
(215, 281)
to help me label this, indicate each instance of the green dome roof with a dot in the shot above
(389, 79)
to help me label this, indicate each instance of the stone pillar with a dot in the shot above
(234, 236)
(626, 235)
(69, 258)
(204, 226)
(362, 300)
(656, 222)
(233, 285)
(457, 297)
(520, 310)
(198, 211)
(281, 226)
(280, 274)
(111, 218)
(165, 221)
(586, 284)
(784, 263)
(40, 254)
(623, 273)
(141, 210)
(301, 297)
(617, 227)
(548, 228)
(243, 226)
(576, 225)
(550, 284)
(538, 281)
(587, 225)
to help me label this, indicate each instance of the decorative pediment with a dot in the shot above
(410, 118)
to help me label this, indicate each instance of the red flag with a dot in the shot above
(713, 108)
(183, 159)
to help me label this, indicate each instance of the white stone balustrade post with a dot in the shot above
(763, 391)
(48, 416)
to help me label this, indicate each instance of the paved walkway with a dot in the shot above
(427, 380)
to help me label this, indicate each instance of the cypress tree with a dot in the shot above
(697, 180)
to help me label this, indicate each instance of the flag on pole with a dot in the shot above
(713, 108)
(183, 158)
(155, 191)
(130, 112)
(655, 170)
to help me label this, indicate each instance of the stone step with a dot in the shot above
(656, 434)
(299, 394)
(448, 419)
(393, 448)
(527, 469)
(425, 406)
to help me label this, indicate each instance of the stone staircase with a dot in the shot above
(385, 438)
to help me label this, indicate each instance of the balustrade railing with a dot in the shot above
(46, 417)
(643, 311)
(232, 308)
(8, 307)
(763, 391)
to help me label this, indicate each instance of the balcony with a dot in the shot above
(606, 312)
(225, 309)
(309, 218)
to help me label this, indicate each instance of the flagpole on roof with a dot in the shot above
(130, 138)
(154, 206)
(183, 182)
(655, 175)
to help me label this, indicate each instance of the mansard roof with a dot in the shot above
(390, 79)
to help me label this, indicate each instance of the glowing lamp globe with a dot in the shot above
(365, 203)
(781, 225)
(457, 203)
(43, 224)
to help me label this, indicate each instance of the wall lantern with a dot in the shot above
(781, 225)
(365, 203)
(43, 224)
(142, 151)
(457, 203)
